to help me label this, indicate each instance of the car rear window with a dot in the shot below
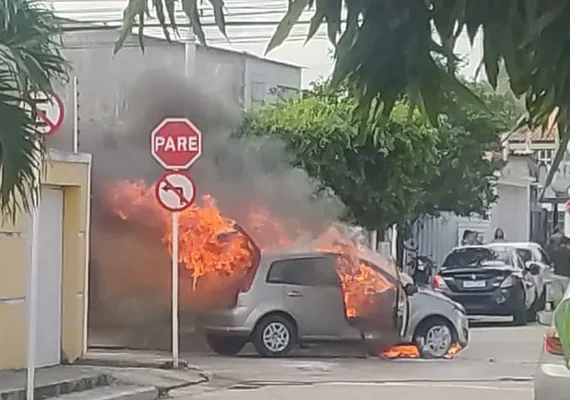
(477, 256)
(308, 271)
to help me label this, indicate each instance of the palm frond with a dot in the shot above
(30, 59)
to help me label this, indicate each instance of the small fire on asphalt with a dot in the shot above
(411, 351)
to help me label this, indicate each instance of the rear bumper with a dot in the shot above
(500, 302)
(552, 379)
(237, 321)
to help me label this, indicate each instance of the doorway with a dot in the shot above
(50, 256)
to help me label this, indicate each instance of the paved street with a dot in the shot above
(498, 364)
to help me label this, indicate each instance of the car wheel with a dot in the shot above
(225, 345)
(434, 337)
(274, 336)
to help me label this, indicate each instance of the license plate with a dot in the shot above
(474, 284)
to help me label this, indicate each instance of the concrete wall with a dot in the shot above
(105, 80)
(248, 78)
(72, 174)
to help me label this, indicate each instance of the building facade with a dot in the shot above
(62, 252)
(105, 82)
(94, 100)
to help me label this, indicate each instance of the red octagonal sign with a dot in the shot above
(176, 143)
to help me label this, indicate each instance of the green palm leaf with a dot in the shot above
(30, 60)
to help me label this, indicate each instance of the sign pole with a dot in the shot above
(176, 143)
(32, 305)
(175, 335)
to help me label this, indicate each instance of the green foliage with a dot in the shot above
(374, 180)
(387, 49)
(29, 60)
(395, 174)
(464, 180)
(562, 324)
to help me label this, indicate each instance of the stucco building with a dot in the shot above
(62, 251)
(95, 100)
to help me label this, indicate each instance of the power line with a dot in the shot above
(108, 25)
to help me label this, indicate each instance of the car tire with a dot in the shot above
(274, 336)
(434, 337)
(225, 345)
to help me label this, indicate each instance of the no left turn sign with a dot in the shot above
(51, 112)
(175, 191)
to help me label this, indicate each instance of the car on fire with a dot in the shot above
(490, 281)
(297, 298)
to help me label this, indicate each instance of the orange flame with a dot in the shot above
(412, 351)
(210, 245)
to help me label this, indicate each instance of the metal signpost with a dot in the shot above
(175, 144)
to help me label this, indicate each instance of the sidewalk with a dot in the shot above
(104, 375)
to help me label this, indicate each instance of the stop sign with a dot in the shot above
(176, 143)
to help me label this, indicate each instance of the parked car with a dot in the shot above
(552, 376)
(296, 298)
(533, 253)
(436, 322)
(488, 280)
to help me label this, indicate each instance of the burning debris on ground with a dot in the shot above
(412, 351)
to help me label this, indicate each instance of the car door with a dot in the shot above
(387, 319)
(313, 297)
(529, 281)
(545, 268)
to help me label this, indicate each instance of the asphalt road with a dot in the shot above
(498, 364)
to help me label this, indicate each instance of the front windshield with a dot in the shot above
(476, 256)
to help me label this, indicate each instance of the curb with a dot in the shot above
(60, 388)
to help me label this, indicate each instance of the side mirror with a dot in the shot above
(410, 289)
(533, 268)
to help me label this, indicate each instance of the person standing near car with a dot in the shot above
(499, 235)
(558, 250)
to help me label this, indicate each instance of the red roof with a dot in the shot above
(549, 134)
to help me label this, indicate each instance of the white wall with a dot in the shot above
(511, 213)
(262, 76)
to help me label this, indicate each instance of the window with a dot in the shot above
(283, 92)
(545, 156)
(316, 271)
(477, 256)
(257, 93)
(518, 261)
(543, 257)
(525, 254)
(388, 279)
